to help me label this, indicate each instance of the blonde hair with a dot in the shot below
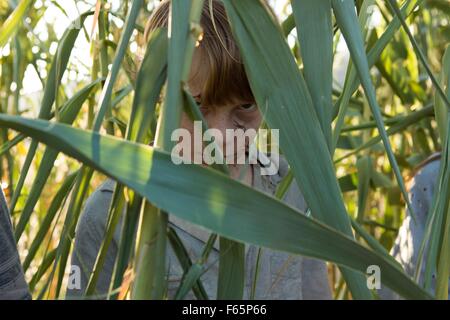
(226, 80)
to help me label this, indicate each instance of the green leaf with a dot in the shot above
(57, 68)
(399, 126)
(68, 114)
(420, 54)
(192, 272)
(105, 100)
(152, 74)
(440, 109)
(373, 55)
(364, 165)
(210, 199)
(231, 271)
(348, 23)
(12, 23)
(313, 19)
(44, 227)
(283, 97)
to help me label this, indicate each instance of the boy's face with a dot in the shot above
(239, 115)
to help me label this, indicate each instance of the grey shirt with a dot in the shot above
(280, 276)
(410, 235)
(12, 281)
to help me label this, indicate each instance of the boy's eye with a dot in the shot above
(247, 107)
(198, 100)
(203, 109)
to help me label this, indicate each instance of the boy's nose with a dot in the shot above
(221, 120)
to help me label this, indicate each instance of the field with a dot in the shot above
(359, 91)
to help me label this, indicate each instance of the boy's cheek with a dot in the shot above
(186, 123)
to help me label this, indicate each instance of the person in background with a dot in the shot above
(12, 280)
(410, 235)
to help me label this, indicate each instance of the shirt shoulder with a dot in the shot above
(269, 183)
(422, 188)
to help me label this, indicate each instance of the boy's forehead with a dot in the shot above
(218, 81)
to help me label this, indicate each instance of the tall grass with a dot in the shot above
(350, 146)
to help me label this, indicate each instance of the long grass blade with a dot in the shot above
(420, 54)
(228, 203)
(313, 20)
(105, 100)
(59, 63)
(278, 85)
(11, 24)
(347, 20)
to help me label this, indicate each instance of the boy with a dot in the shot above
(219, 84)
(410, 235)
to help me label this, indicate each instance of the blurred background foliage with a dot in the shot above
(402, 87)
